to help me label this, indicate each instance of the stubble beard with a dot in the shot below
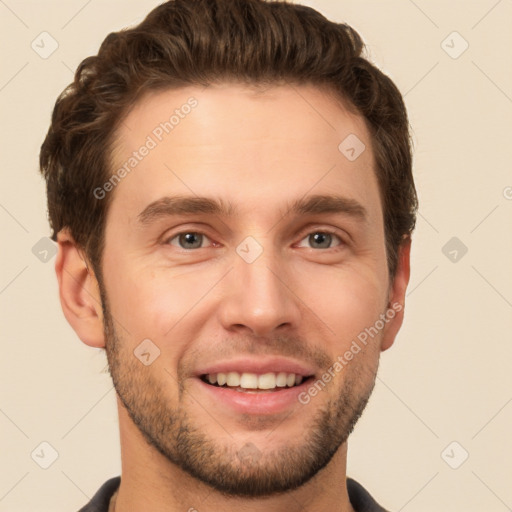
(248, 471)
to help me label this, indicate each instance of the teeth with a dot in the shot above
(255, 381)
(249, 381)
(267, 381)
(281, 379)
(233, 379)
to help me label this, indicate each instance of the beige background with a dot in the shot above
(448, 376)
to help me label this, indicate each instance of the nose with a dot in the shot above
(259, 297)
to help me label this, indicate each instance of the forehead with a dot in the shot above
(242, 144)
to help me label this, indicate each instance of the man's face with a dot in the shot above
(267, 289)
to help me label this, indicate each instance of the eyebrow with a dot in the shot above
(192, 205)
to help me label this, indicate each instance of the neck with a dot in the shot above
(150, 481)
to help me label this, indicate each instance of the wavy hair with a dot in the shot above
(200, 42)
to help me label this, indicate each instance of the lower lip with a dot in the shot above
(259, 402)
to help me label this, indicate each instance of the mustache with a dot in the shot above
(279, 346)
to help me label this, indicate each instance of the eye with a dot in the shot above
(322, 239)
(188, 240)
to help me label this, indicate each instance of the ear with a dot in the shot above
(79, 291)
(397, 289)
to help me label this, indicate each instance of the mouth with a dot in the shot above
(251, 394)
(254, 386)
(246, 382)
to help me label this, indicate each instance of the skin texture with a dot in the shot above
(304, 298)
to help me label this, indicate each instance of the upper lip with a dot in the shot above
(257, 365)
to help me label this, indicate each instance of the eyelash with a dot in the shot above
(315, 231)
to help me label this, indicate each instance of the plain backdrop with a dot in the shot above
(436, 433)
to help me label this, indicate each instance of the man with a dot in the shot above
(192, 168)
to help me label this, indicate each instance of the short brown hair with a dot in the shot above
(200, 42)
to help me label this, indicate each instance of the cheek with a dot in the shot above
(155, 303)
(348, 300)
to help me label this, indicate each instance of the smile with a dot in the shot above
(252, 381)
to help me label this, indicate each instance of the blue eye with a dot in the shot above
(188, 240)
(323, 239)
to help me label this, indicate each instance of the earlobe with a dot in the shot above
(397, 291)
(79, 291)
